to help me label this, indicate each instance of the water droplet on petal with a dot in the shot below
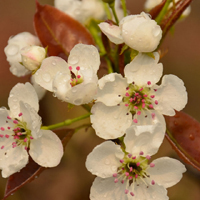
(156, 31)
(53, 63)
(107, 162)
(114, 168)
(46, 77)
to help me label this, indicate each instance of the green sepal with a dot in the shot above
(134, 53)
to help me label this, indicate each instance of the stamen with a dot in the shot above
(126, 105)
(135, 120)
(134, 157)
(70, 68)
(138, 164)
(156, 102)
(20, 114)
(25, 140)
(153, 182)
(115, 175)
(2, 128)
(1, 135)
(127, 94)
(131, 99)
(116, 180)
(15, 121)
(78, 76)
(148, 82)
(129, 155)
(77, 68)
(152, 165)
(135, 107)
(151, 106)
(141, 89)
(143, 105)
(153, 115)
(139, 113)
(141, 153)
(131, 193)
(2, 147)
(152, 96)
(148, 157)
(31, 138)
(8, 117)
(145, 95)
(126, 191)
(7, 136)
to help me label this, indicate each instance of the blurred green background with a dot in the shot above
(70, 180)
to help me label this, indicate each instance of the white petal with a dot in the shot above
(153, 192)
(171, 95)
(3, 116)
(144, 68)
(12, 159)
(49, 68)
(148, 123)
(104, 160)
(33, 120)
(110, 122)
(108, 190)
(22, 92)
(167, 171)
(146, 142)
(84, 56)
(47, 150)
(39, 90)
(82, 94)
(112, 88)
(112, 32)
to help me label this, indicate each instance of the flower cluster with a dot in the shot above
(127, 107)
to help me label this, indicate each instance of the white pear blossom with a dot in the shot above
(82, 10)
(86, 9)
(149, 4)
(74, 82)
(32, 57)
(13, 52)
(20, 133)
(136, 100)
(139, 32)
(128, 174)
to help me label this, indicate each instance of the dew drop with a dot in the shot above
(73, 60)
(53, 63)
(192, 137)
(14, 107)
(78, 101)
(46, 77)
(107, 162)
(74, 90)
(156, 31)
(114, 168)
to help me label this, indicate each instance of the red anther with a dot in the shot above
(77, 68)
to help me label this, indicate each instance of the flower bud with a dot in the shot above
(32, 57)
(140, 32)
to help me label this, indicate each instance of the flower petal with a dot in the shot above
(146, 142)
(39, 90)
(167, 171)
(147, 121)
(144, 68)
(49, 68)
(84, 56)
(171, 95)
(152, 192)
(11, 159)
(3, 116)
(22, 92)
(110, 122)
(108, 190)
(32, 119)
(103, 161)
(47, 150)
(112, 32)
(112, 87)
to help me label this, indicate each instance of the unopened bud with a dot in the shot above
(32, 57)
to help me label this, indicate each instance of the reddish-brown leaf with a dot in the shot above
(154, 12)
(184, 136)
(59, 31)
(32, 169)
